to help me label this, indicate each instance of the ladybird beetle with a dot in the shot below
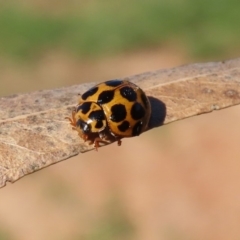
(111, 111)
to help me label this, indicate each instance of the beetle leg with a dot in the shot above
(119, 142)
(72, 119)
(97, 141)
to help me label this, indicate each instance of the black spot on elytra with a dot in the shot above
(113, 83)
(84, 126)
(145, 100)
(84, 107)
(137, 129)
(128, 93)
(89, 93)
(119, 113)
(137, 111)
(124, 126)
(99, 124)
(105, 96)
(97, 115)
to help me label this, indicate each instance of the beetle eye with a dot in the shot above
(84, 126)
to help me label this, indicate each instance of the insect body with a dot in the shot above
(111, 111)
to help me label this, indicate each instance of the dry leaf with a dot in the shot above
(34, 133)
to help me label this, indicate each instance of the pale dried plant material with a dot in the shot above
(35, 134)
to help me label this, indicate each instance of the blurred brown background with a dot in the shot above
(176, 182)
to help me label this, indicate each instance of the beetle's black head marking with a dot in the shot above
(97, 115)
(86, 128)
(84, 107)
(99, 124)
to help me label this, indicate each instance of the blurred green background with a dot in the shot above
(177, 187)
(36, 34)
(204, 28)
